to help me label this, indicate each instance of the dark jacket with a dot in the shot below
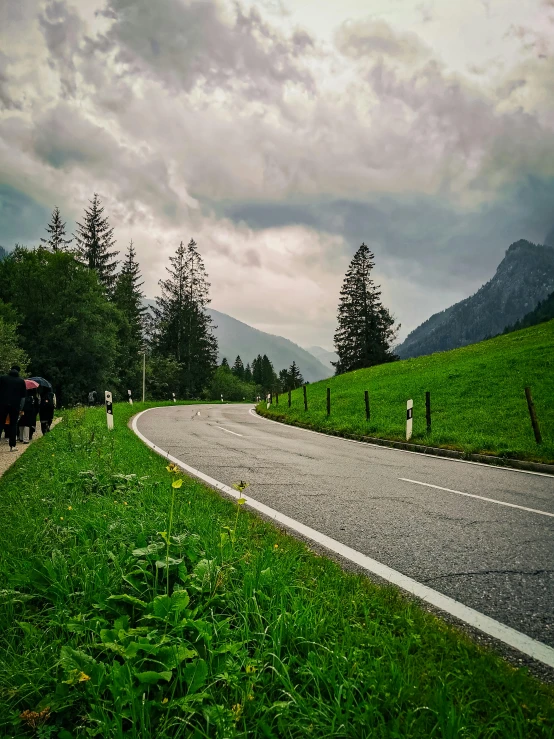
(46, 409)
(30, 410)
(12, 389)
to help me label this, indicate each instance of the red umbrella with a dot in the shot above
(31, 384)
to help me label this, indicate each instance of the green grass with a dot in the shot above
(132, 608)
(477, 398)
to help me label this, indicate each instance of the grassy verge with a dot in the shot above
(135, 602)
(477, 398)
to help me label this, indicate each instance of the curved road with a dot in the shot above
(423, 516)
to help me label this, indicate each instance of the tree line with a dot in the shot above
(71, 311)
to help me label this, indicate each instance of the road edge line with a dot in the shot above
(516, 639)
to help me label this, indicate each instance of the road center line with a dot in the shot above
(227, 430)
(480, 497)
(516, 639)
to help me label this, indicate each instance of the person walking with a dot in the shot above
(12, 396)
(28, 421)
(46, 409)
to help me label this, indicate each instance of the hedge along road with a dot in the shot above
(481, 536)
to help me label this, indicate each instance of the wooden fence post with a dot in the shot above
(428, 411)
(305, 399)
(533, 414)
(366, 398)
(289, 398)
(328, 401)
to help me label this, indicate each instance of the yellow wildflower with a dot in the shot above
(69, 508)
(83, 677)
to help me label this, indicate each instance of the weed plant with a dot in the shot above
(135, 602)
(478, 399)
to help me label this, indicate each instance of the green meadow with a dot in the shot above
(478, 402)
(136, 602)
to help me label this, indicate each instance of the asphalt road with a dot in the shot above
(497, 559)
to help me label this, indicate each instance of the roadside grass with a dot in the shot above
(478, 402)
(136, 602)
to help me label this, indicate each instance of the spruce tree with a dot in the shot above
(257, 371)
(56, 240)
(225, 364)
(183, 327)
(284, 380)
(248, 374)
(238, 368)
(94, 240)
(269, 378)
(365, 327)
(295, 377)
(128, 296)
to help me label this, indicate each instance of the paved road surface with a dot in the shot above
(494, 558)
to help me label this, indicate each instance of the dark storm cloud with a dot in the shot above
(420, 235)
(62, 29)
(182, 44)
(21, 218)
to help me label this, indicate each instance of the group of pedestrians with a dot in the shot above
(20, 406)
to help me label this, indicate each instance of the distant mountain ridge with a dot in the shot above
(523, 278)
(237, 338)
(324, 356)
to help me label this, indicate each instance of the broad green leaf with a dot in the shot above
(125, 598)
(153, 678)
(168, 562)
(195, 674)
(179, 600)
(150, 549)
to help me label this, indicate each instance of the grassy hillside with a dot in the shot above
(137, 603)
(477, 397)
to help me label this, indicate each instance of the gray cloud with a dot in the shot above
(185, 44)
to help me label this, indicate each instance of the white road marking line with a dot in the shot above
(227, 430)
(480, 497)
(533, 648)
(403, 451)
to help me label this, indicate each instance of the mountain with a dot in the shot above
(542, 313)
(235, 337)
(523, 278)
(324, 356)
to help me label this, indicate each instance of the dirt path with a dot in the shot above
(7, 458)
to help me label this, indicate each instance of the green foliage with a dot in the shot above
(67, 327)
(477, 397)
(10, 351)
(225, 383)
(163, 377)
(144, 605)
(365, 329)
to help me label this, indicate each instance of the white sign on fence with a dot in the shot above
(409, 418)
(109, 409)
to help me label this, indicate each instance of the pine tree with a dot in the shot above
(269, 378)
(56, 230)
(238, 368)
(94, 240)
(257, 371)
(183, 327)
(295, 377)
(284, 380)
(248, 374)
(127, 296)
(225, 364)
(365, 327)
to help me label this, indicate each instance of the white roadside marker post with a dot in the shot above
(130, 398)
(409, 418)
(268, 399)
(174, 397)
(109, 409)
(222, 398)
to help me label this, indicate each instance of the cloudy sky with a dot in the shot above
(280, 134)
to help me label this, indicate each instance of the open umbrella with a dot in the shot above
(42, 382)
(31, 384)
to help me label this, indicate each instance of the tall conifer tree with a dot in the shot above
(128, 296)
(94, 239)
(184, 328)
(365, 327)
(56, 240)
(238, 368)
